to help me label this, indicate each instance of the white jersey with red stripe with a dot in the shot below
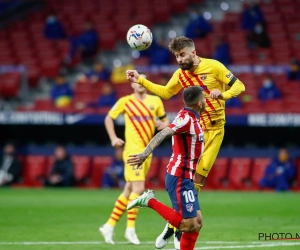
(187, 144)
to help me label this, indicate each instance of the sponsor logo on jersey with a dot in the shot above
(151, 107)
(140, 119)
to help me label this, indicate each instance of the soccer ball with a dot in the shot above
(139, 37)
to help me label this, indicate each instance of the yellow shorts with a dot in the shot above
(212, 143)
(132, 173)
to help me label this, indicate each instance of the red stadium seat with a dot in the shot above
(50, 67)
(34, 74)
(49, 164)
(145, 18)
(171, 106)
(44, 105)
(258, 170)
(274, 106)
(141, 61)
(152, 180)
(103, 110)
(253, 107)
(35, 170)
(99, 164)
(161, 11)
(82, 167)
(108, 41)
(10, 85)
(217, 178)
(234, 111)
(179, 6)
(239, 173)
(268, 9)
(123, 89)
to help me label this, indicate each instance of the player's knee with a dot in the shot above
(194, 227)
(138, 187)
(188, 226)
(138, 191)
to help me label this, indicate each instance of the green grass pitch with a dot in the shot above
(70, 218)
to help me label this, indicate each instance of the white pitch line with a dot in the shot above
(247, 244)
(287, 244)
(101, 242)
(64, 243)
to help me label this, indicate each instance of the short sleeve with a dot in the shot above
(180, 124)
(117, 109)
(223, 74)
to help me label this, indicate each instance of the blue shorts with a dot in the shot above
(183, 195)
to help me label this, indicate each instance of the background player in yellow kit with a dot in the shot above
(213, 77)
(140, 112)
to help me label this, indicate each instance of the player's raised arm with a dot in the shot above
(138, 159)
(164, 92)
(225, 76)
(237, 88)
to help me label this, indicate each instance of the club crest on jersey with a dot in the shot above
(151, 107)
(189, 207)
(203, 77)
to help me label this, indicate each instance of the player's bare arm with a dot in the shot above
(237, 88)
(138, 159)
(164, 92)
(110, 128)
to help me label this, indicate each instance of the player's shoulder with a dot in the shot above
(153, 98)
(211, 62)
(183, 114)
(177, 72)
(125, 98)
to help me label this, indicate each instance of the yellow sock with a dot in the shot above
(118, 211)
(132, 214)
(198, 187)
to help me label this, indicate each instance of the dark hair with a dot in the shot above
(179, 43)
(191, 95)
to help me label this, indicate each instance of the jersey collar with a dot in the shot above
(192, 111)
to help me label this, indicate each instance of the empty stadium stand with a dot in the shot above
(227, 173)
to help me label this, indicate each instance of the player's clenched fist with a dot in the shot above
(216, 94)
(117, 142)
(132, 75)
